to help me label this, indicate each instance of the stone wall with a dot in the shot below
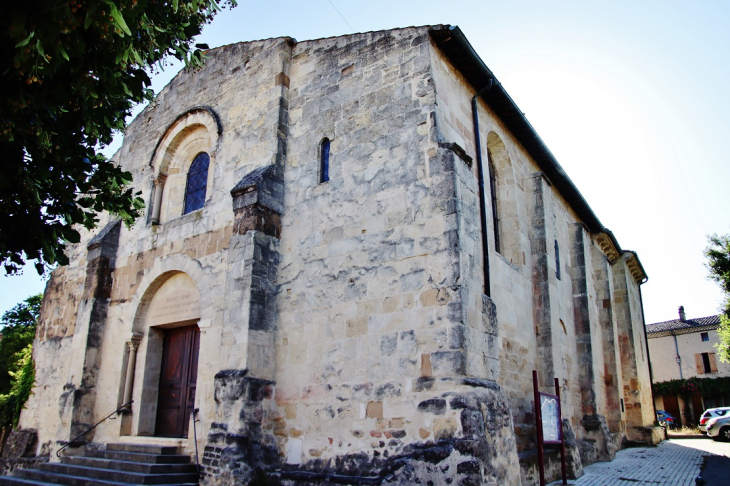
(551, 285)
(346, 330)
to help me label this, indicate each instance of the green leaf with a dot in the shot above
(119, 19)
(63, 52)
(25, 41)
(39, 48)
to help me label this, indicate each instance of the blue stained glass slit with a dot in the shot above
(197, 183)
(324, 173)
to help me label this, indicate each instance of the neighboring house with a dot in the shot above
(684, 349)
(349, 279)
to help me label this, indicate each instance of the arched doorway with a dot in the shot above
(171, 364)
(178, 381)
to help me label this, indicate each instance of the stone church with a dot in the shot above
(356, 251)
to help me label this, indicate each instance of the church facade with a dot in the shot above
(356, 251)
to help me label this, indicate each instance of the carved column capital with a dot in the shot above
(133, 343)
(160, 181)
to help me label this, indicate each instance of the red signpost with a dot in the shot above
(548, 423)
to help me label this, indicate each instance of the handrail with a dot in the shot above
(195, 435)
(58, 452)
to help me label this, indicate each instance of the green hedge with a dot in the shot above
(708, 387)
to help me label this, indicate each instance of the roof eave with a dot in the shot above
(454, 44)
(456, 47)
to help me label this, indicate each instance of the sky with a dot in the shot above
(630, 97)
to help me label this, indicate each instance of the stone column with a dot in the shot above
(93, 310)
(157, 204)
(595, 426)
(602, 272)
(133, 345)
(631, 392)
(541, 284)
(244, 388)
(582, 321)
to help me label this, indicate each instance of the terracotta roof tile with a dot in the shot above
(686, 325)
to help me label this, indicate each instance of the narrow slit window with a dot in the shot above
(324, 164)
(495, 213)
(557, 260)
(197, 183)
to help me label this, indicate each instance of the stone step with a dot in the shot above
(139, 457)
(143, 448)
(42, 478)
(117, 475)
(45, 477)
(12, 480)
(131, 466)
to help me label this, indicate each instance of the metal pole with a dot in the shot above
(563, 466)
(538, 426)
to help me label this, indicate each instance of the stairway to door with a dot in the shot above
(117, 465)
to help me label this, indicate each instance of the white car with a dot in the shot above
(711, 413)
(719, 428)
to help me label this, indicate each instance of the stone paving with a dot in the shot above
(673, 462)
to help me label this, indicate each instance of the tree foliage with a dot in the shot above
(723, 332)
(23, 378)
(718, 263)
(72, 72)
(18, 331)
(17, 371)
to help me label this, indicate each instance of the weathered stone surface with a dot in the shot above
(346, 330)
(20, 443)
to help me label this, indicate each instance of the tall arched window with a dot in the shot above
(324, 165)
(557, 260)
(503, 183)
(197, 183)
(495, 211)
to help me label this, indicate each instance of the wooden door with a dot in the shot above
(696, 408)
(671, 405)
(178, 378)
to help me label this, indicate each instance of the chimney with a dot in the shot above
(682, 316)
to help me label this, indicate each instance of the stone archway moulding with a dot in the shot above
(200, 115)
(142, 377)
(195, 131)
(163, 269)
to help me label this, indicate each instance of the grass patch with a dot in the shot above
(684, 430)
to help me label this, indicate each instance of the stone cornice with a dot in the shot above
(637, 271)
(605, 242)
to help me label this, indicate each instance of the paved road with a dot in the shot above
(675, 462)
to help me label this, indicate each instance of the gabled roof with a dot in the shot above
(667, 328)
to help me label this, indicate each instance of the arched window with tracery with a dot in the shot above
(197, 183)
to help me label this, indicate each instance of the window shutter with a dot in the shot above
(698, 363)
(713, 363)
